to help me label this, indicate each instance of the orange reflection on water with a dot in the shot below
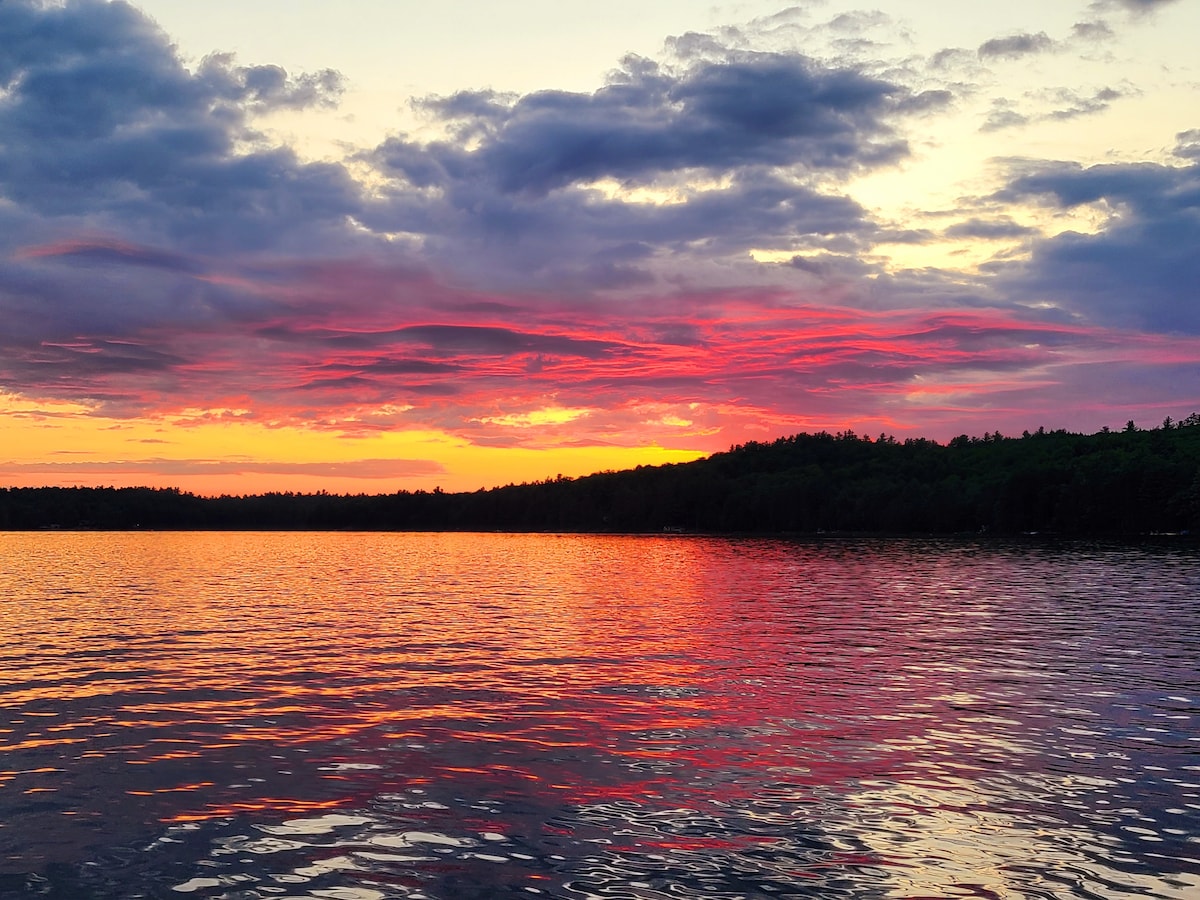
(195, 786)
(840, 707)
(286, 806)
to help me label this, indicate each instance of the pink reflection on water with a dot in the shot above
(873, 710)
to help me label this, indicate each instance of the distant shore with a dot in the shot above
(1131, 482)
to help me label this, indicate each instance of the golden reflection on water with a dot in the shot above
(743, 718)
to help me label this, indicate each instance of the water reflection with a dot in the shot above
(443, 716)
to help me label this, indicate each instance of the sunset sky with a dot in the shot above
(382, 244)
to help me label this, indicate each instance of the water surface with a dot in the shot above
(364, 716)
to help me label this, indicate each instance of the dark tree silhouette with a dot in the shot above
(1127, 482)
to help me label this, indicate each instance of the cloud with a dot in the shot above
(831, 267)
(1092, 31)
(128, 175)
(358, 468)
(103, 124)
(1132, 7)
(1139, 270)
(651, 120)
(1015, 46)
(989, 229)
(705, 158)
(1076, 105)
(259, 89)
(1002, 115)
(580, 240)
(134, 194)
(1188, 144)
(1100, 29)
(501, 341)
(1057, 105)
(469, 363)
(107, 250)
(678, 245)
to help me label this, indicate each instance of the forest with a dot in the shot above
(1127, 482)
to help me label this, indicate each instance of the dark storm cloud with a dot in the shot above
(1141, 268)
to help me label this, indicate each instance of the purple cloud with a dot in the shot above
(1141, 269)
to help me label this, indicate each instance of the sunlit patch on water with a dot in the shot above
(456, 716)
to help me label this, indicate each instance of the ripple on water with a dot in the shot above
(446, 716)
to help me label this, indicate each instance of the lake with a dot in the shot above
(365, 716)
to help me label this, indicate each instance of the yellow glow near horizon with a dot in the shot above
(57, 443)
(551, 415)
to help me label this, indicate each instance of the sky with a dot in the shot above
(381, 245)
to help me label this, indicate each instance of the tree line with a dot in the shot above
(1132, 481)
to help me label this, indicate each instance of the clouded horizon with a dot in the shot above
(228, 276)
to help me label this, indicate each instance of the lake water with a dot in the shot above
(363, 716)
